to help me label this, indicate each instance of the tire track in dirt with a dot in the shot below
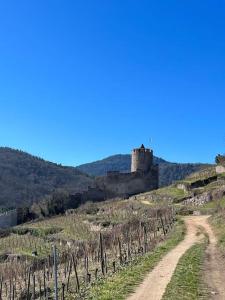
(155, 283)
(214, 267)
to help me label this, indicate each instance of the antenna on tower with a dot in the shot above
(150, 140)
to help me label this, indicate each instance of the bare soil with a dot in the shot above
(214, 267)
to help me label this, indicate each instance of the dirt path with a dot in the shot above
(154, 285)
(214, 267)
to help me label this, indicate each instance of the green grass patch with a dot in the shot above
(170, 193)
(187, 283)
(202, 174)
(222, 175)
(218, 222)
(210, 208)
(173, 192)
(121, 284)
(216, 204)
(39, 232)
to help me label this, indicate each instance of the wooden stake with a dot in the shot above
(55, 272)
(75, 270)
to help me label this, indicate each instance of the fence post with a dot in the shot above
(1, 287)
(102, 255)
(34, 286)
(28, 287)
(55, 272)
(75, 270)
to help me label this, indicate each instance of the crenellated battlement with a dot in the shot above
(142, 150)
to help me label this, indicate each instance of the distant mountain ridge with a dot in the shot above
(168, 172)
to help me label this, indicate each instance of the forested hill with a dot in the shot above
(25, 178)
(168, 172)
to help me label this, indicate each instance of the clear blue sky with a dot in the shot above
(81, 80)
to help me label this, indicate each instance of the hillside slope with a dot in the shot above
(25, 178)
(168, 172)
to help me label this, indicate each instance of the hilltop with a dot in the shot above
(168, 172)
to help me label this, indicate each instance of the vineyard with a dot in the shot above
(62, 256)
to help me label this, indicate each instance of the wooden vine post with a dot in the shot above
(55, 272)
(75, 270)
(102, 255)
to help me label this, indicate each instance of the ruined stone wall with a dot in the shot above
(127, 184)
(8, 219)
(206, 197)
(198, 200)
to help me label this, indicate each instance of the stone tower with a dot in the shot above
(142, 159)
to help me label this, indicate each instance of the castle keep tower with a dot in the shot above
(144, 176)
(142, 159)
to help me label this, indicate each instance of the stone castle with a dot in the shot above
(220, 164)
(144, 176)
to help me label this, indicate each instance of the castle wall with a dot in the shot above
(127, 184)
(8, 219)
(144, 177)
(94, 194)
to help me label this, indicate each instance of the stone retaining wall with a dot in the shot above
(205, 197)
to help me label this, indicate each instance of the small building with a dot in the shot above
(220, 161)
